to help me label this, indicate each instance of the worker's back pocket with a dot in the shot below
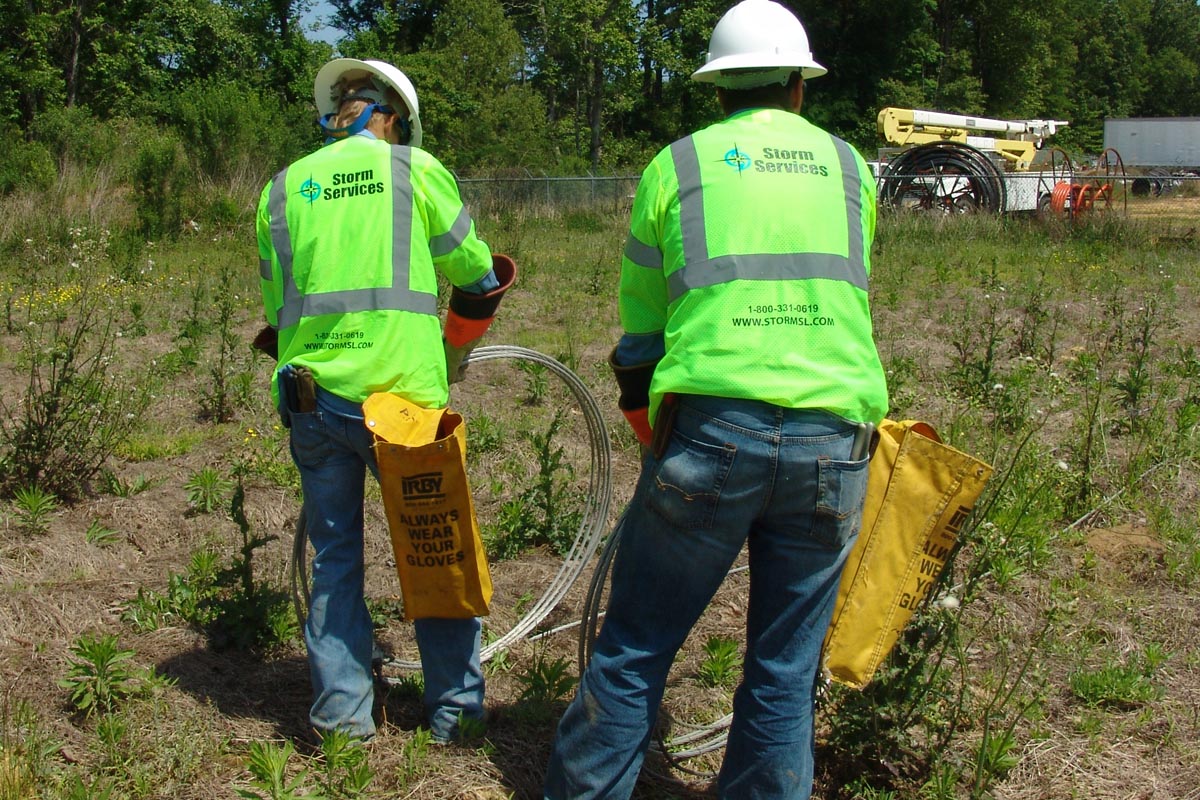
(687, 481)
(311, 443)
(841, 489)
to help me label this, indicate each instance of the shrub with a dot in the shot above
(74, 410)
(25, 165)
(159, 180)
(73, 134)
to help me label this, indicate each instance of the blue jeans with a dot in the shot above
(733, 472)
(332, 449)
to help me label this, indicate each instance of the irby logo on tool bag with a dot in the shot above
(425, 487)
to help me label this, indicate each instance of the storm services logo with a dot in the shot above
(310, 190)
(737, 159)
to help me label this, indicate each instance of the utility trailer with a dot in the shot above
(957, 164)
(1168, 142)
(1162, 150)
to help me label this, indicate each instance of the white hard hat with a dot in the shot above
(327, 88)
(757, 42)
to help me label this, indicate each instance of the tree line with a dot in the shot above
(565, 86)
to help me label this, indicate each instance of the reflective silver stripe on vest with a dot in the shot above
(451, 239)
(699, 270)
(397, 297)
(643, 254)
(852, 188)
(691, 203)
(281, 240)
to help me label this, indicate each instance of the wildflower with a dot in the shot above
(948, 602)
(1064, 466)
(999, 387)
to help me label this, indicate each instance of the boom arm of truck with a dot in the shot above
(910, 126)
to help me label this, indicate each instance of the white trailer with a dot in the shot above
(1172, 143)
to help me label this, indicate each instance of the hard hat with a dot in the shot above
(327, 88)
(757, 42)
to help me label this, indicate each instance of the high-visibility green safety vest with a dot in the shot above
(749, 250)
(349, 238)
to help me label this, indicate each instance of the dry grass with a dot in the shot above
(193, 739)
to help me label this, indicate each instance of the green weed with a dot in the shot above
(546, 513)
(99, 534)
(207, 490)
(385, 611)
(522, 603)
(117, 487)
(414, 753)
(228, 603)
(547, 681)
(862, 790)
(99, 675)
(345, 772)
(217, 395)
(29, 754)
(942, 784)
(268, 767)
(111, 731)
(408, 687)
(32, 509)
(242, 611)
(537, 382)
(470, 728)
(137, 323)
(187, 598)
(485, 435)
(720, 665)
(500, 662)
(1119, 685)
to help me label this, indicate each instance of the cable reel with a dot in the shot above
(943, 177)
(1099, 191)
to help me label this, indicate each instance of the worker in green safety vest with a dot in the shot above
(749, 373)
(351, 239)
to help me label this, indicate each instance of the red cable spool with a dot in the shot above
(1059, 196)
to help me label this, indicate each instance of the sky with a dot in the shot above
(320, 11)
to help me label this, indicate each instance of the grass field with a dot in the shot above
(147, 636)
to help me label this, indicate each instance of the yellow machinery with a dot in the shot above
(956, 164)
(906, 127)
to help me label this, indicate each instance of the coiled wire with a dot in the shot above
(943, 176)
(592, 526)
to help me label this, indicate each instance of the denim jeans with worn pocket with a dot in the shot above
(332, 450)
(734, 473)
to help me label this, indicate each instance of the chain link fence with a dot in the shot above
(1024, 192)
(543, 192)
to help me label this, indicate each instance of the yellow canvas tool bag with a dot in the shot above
(421, 454)
(919, 493)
